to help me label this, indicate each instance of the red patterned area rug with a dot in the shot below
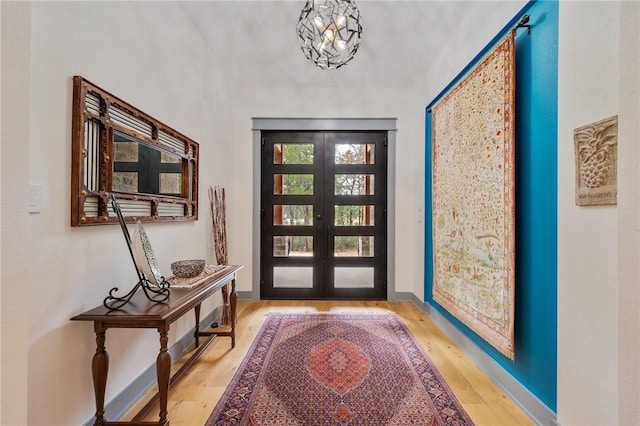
(336, 369)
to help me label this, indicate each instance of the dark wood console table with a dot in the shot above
(142, 313)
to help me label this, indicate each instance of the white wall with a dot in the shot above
(16, 59)
(629, 216)
(598, 378)
(149, 55)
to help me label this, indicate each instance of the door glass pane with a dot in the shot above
(353, 246)
(354, 215)
(356, 153)
(353, 278)
(292, 277)
(293, 184)
(299, 245)
(293, 153)
(297, 215)
(354, 184)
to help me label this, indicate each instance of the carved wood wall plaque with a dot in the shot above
(596, 152)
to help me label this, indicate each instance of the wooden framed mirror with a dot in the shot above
(116, 148)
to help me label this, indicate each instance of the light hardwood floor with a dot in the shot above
(193, 398)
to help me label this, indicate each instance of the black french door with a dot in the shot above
(323, 206)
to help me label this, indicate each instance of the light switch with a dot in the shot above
(35, 198)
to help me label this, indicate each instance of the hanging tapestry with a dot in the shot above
(473, 198)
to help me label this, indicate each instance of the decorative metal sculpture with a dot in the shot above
(155, 292)
(330, 32)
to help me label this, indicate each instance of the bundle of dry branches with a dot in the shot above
(217, 201)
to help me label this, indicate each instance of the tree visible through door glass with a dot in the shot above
(356, 153)
(293, 153)
(352, 184)
(292, 245)
(353, 246)
(354, 215)
(291, 184)
(298, 215)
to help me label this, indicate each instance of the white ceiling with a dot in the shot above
(257, 39)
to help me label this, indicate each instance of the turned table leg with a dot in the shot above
(196, 333)
(163, 371)
(99, 369)
(234, 300)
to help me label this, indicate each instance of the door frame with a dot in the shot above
(323, 124)
(325, 264)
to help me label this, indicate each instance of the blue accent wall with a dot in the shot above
(535, 364)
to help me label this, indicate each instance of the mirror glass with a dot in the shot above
(140, 167)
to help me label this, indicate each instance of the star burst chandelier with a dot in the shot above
(329, 32)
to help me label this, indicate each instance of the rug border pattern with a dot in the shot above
(237, 398)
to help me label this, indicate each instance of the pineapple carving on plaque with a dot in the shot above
(596, 149)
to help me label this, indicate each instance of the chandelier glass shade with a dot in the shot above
(329, 32)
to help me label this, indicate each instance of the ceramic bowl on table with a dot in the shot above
(187, 268)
